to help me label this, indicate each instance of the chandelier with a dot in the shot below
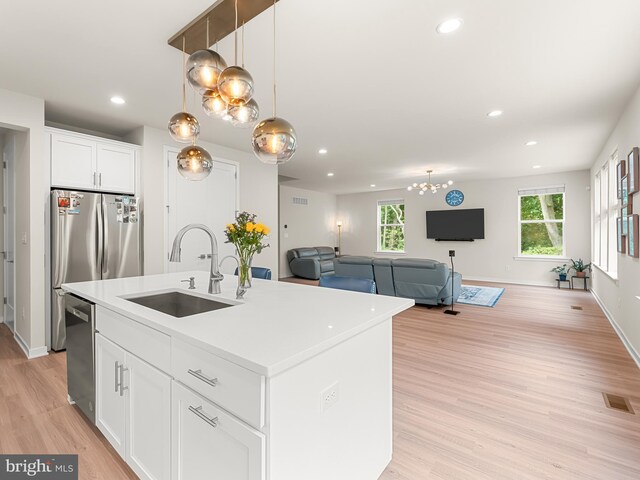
(426, 186)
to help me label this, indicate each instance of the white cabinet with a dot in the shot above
(134, 409)
(90, 163)
(207, 439)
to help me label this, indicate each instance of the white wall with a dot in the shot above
(258, 194)
(491, 259)
(618, 296)
(311, 225)
(25, 115)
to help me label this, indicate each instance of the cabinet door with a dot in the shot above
(148, 420)
(110, 400)
(206, 439)
(73, 162)
(116, 169)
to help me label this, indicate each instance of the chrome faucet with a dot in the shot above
(240, 291)
(215, 276)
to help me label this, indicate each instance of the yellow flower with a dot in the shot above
(266, 230)
(250, 226)
(259, 227)
(231, 227)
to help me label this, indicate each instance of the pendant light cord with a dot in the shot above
(184, 76)
(208, 44)
(274, 59)
(242, 45)
(236, 35)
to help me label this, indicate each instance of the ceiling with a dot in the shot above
(370, 81)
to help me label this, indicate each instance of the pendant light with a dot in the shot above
(235, 84)
(204, 68)
(184, 127)
(246, 114)
(194, 163)
(274, 140)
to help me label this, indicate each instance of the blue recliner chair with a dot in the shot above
(259, 272)
(354, 284)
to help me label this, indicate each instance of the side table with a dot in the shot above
(584, 279)
(567, 280)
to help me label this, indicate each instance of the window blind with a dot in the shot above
(390, 202)
(541, 190)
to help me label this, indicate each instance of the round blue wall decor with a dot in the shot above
(454, 198)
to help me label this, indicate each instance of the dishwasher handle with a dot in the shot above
(77, 313)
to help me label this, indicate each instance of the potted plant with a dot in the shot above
(562, 271)
(580, 267)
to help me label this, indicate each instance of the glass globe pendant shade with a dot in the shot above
(244, 115)
(274, 141)
(203, 70)
(213, 104)
(194, 163)
(235, 85)
(184, 127)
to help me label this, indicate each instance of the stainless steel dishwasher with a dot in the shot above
(79, 316)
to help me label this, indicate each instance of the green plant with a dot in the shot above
(560, 269)
(579, 265)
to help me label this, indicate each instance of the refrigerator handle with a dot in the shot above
(99, 238)
(105, 236)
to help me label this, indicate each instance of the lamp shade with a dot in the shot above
(194, 163)
(235, 85)
(203, 70)
(274, 141)
(244, 115)
(184, 127)
(213, 104)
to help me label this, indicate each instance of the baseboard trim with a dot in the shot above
(30, 353)
(627, 344)
(501, 280)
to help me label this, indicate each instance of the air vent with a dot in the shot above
(617, 402)
(300, 201)
(576, 307)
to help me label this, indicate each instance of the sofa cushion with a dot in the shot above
(383, 274)
(415, 263)
(326, 253)
(306, 252)
(326, 266)
(358, 267)
(356, 260)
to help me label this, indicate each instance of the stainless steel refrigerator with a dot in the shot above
(94, 236)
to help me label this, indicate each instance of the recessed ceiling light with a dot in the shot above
(494, 113)
(449, 26)
(117, 100)
(531, 143)
(372, 185)
(537, 166)
(322, 151)
(330, 174)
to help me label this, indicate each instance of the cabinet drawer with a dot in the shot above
(150, 345)
(234, 388)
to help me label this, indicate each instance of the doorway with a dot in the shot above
(212, 202)
(7, 276)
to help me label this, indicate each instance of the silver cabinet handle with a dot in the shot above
(116, 376)
(200, 376)
(202, 256)
(122, 387)
(213, 421)
(100, 179)
(95, 183)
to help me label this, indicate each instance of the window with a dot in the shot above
(391, 226)
(605, 206)
(541, 221)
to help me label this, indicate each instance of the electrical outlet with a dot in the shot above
(330, 396)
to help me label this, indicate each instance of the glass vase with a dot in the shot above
(244, 270)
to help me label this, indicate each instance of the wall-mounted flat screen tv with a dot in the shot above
(459, 225)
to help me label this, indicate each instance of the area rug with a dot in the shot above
(481, 296)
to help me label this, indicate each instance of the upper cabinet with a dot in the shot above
(91, 163)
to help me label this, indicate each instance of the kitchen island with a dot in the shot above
(292, 382)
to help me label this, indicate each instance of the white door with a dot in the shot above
(110, 393)
(206, 439)
(116, 169)
(148, 420)
(73, 162)
(8, 202)
(212, 202)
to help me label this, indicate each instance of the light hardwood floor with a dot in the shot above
(506, 393)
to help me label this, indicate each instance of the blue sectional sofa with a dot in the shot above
(311, 262)
(426, 281)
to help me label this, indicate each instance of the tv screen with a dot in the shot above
(456, 224)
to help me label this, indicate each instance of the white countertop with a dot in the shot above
(275, 327)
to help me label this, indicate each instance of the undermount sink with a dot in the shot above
(178, 304)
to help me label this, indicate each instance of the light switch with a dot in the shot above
(24, 238)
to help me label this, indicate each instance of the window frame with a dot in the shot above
(605, 213)
(379, 225)
(563, 256)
